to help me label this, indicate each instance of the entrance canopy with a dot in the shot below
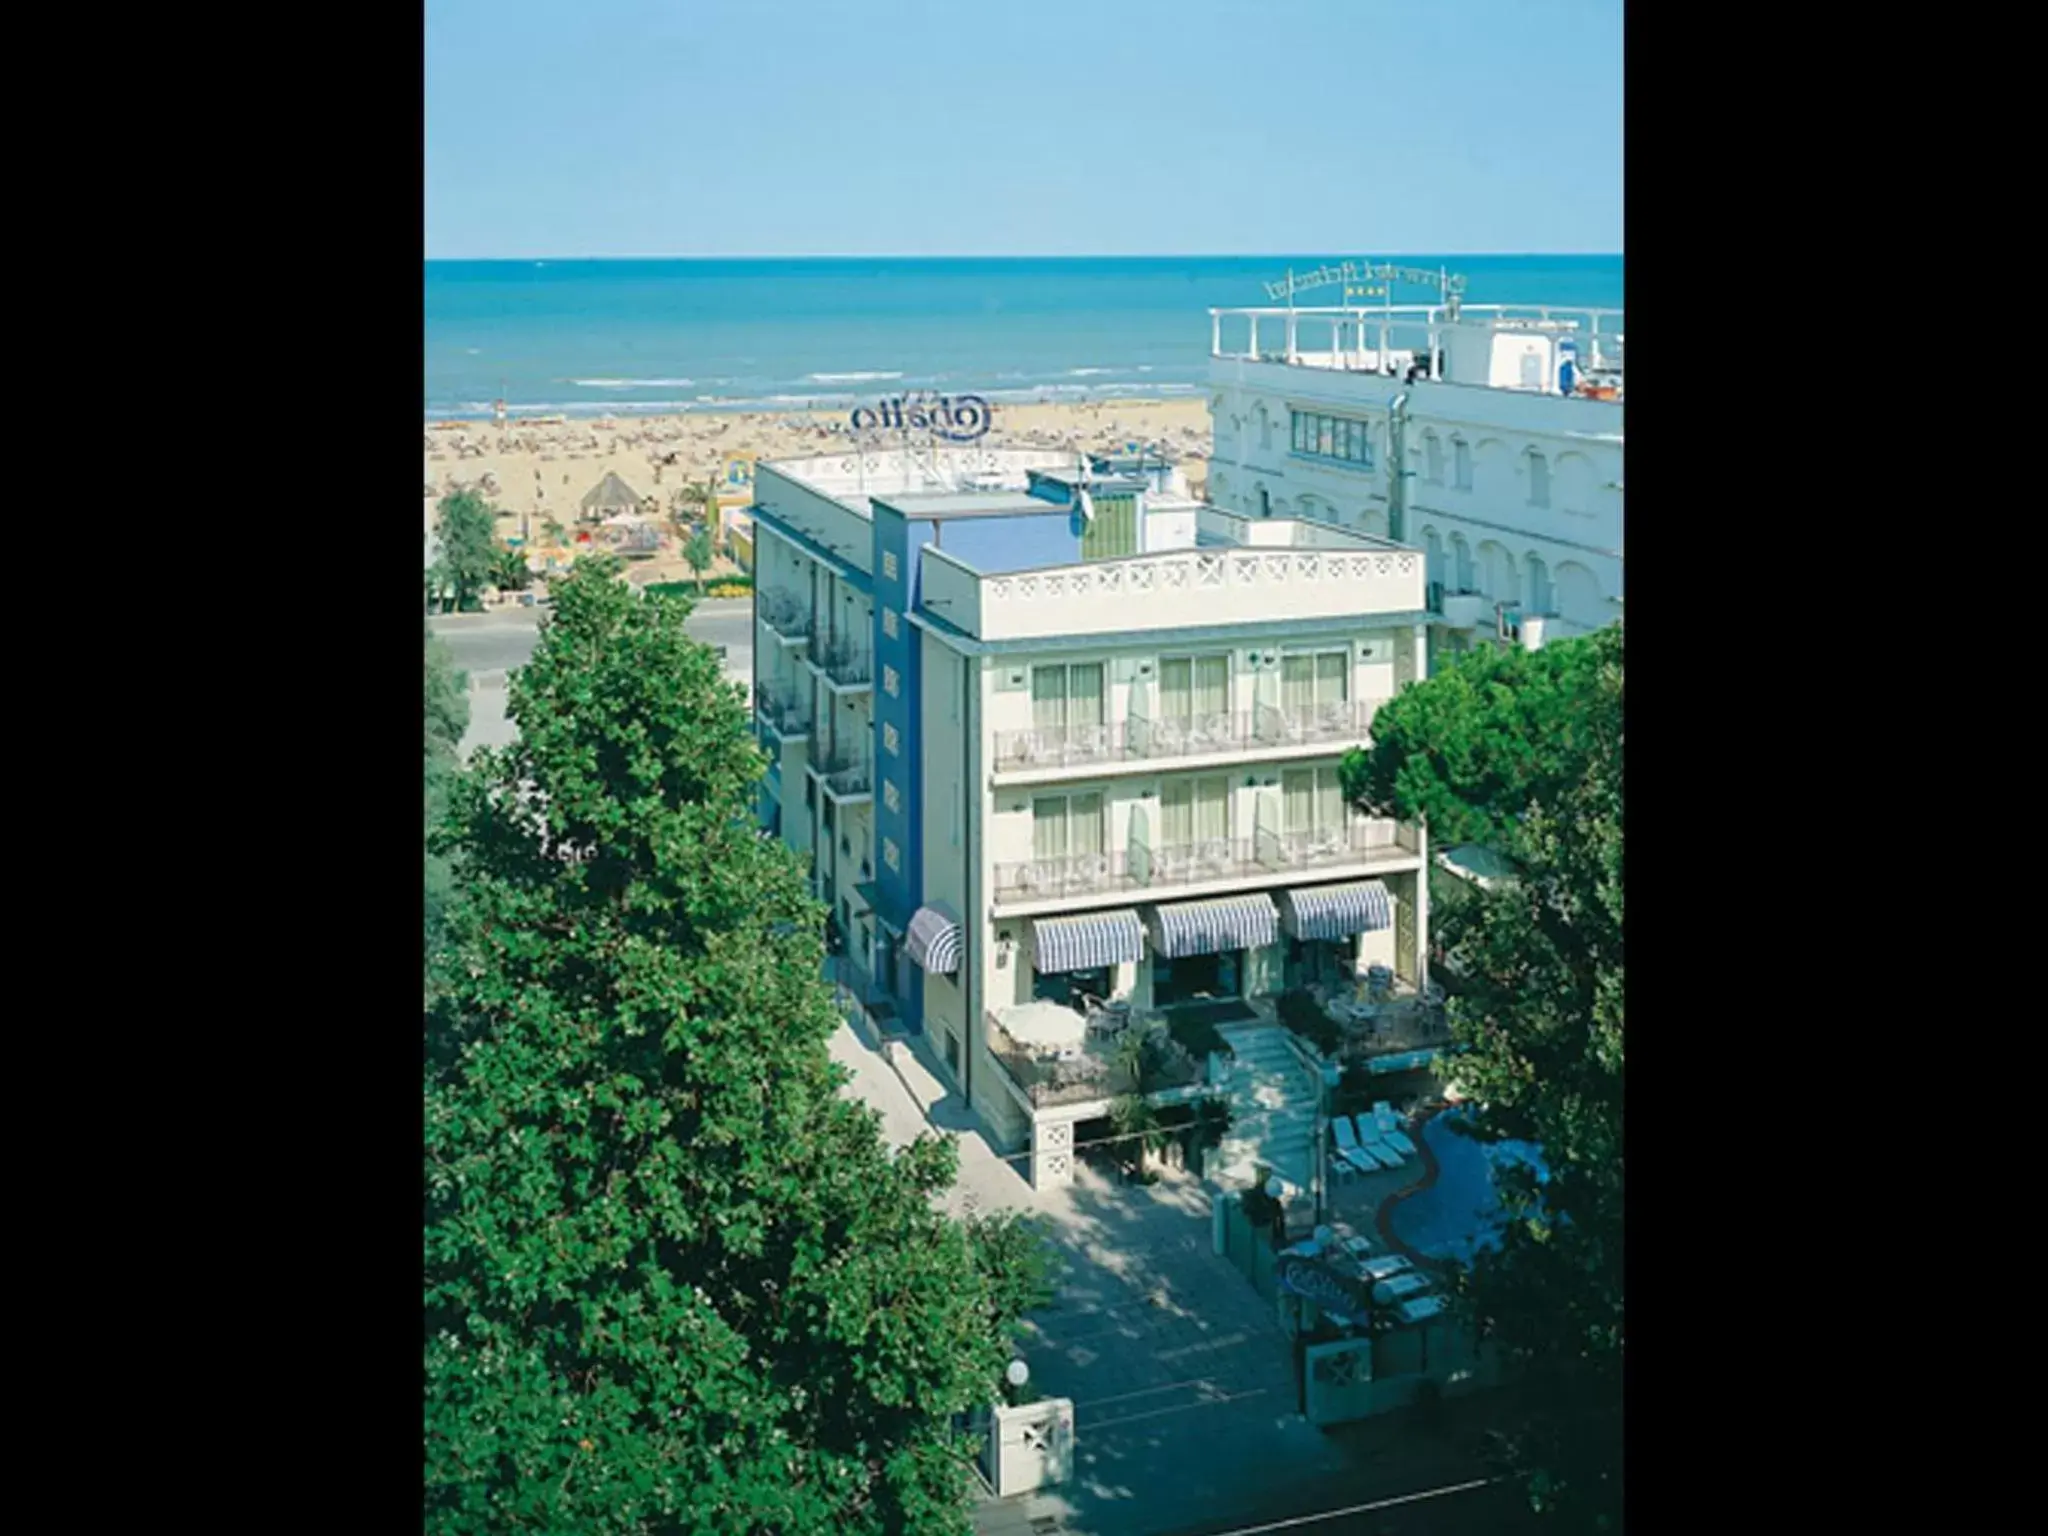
(1336, 911)
(1210, 927)
(1086, 943)
(933, 939)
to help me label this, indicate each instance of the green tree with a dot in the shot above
(508, 570)
(447, 717)
(1522, 752)
(697, 555)
(674, 1281)
(469, 542)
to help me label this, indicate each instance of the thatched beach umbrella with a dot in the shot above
(610, 495)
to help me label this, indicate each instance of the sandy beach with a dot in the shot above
(541, 470)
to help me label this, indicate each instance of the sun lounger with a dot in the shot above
(1390, 1129)
(1348, 1148)
(1370, 1140)
(1387, 1292)
(1385, 1267)
(1418, 1309)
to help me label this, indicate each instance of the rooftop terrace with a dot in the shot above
(1495, 346)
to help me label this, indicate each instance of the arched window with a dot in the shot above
(1432, 556)
(1461, 464)
(1461, 565)
(1539, 586)
(1432, 458)
(1539, 479)
(1265, 425)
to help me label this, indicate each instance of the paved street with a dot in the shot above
(489, 645)
(1185, 1411)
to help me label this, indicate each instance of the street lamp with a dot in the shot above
(1017, 1373)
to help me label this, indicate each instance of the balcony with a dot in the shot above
(1266, 731)
(1467, 610)
(782, 715)
(1264, 858)
(1105, 1067)
(848, 777)
(788, 615)
(845, 664)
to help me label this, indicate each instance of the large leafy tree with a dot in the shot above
(675, 1282)
(447, 717)
(467, 530)
(1523, 753)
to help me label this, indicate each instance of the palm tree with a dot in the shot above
(697, 555)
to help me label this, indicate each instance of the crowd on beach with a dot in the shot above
(659, 455)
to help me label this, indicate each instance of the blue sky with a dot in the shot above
(1022, 127)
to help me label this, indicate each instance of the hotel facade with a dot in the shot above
(1061, 744)
(1489, 437)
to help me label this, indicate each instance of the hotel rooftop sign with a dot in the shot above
(952, 418)
(1359, 273)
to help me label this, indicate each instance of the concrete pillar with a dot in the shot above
(1292, 336)
(1218, 1214)
(1254, 343)
(1052, 1154)
(1215, 335)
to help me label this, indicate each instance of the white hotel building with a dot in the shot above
(1489, 437)
(1052, 732)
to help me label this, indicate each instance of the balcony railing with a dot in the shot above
(1360, 841)
(845, 663)
(1103, 1067)
(785, 613)
(847, 776)
(1144, 868)
(1092, 1073)
(1188, 735)
(782, 713)
(1080, 875)
(1058, 746)
(1143, 738)
(1281, 725)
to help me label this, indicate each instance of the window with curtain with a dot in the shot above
(1194, 811)
(1067, 826)
(1310, 679)
(1312, 800)
(1067, 696)
(1212, 809)
(1191, 686)
(1297, 681)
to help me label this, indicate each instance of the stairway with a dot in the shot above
(1274, 1098)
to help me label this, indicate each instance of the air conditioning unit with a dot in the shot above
(1507, 621)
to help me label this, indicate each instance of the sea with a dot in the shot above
(610, 338)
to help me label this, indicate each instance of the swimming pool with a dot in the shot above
(1461, 1212)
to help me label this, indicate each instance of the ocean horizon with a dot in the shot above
(617, 336)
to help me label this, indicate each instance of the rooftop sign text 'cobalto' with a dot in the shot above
(955, 418)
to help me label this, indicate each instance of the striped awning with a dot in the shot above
(933, 939)
(1336, 911)
(1210, 927)
(1086, 943)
